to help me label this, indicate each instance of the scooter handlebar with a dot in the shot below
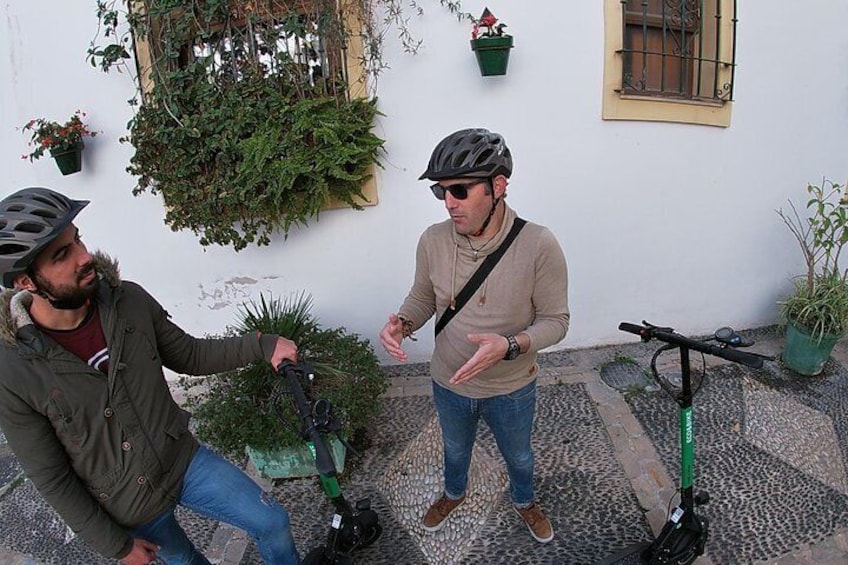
(323, 460)
(748, 359)
(641, 331)
(648, 332)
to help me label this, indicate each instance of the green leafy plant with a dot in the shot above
(109, 49)
(47, 135)
(235, 408)
(819, 303)
(257, 159)
(247, 125)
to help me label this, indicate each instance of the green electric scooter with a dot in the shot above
(684, 535)
(353, 527)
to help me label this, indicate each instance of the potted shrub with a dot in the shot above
(235, 411)
(64, 141)
(817, 312)
(491, 46)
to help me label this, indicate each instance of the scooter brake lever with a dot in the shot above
(655, 327)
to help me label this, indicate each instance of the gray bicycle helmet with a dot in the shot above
(474, 152)
(29, 220)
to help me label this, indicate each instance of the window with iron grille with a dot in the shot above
(678, 49)
(248, 126)
(290, 44)
(294, 42)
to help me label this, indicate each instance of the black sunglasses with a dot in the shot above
(458, 191)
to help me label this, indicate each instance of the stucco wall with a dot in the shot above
(667, 222)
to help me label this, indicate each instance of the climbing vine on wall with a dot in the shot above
(246, 123)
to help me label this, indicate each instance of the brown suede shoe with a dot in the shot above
(538, 524)
(436, 516)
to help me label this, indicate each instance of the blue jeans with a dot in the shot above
(509, 416)
(216, 488)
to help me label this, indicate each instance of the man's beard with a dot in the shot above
(68, 297)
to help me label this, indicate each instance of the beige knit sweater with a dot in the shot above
(527, 291)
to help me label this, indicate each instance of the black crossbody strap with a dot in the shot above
(480, 275)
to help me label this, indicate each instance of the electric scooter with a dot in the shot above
(684, 536)
(355, 526)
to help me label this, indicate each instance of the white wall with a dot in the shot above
(666, 222)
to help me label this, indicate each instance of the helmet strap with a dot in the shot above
(68, 304)
(58, 304)
(495, 201)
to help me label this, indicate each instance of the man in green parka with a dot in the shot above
(85, 406)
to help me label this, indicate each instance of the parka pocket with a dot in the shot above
(103, 486)
(172, 441)
(178, 424)
(64, 421)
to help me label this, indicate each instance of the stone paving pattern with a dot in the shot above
(770, 446)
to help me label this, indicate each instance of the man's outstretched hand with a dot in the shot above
(391, 337)
(491, 348)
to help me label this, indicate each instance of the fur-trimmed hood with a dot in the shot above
(14, 304)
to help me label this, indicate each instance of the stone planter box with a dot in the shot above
(293, 462)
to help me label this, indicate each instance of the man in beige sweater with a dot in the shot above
(484, 362)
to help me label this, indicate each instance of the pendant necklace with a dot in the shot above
(476, 250)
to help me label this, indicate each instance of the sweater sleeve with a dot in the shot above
(550, 294)
(420, 304)
(43, 459)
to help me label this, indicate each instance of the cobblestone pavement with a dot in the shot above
(771, 450)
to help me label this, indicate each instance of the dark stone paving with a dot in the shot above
(770, 449)
(10, 469)
(761, 507)
(579, 484)
(31, 527)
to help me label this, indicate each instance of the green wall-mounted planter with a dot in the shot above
(69, 160)
(492, 54)
(803, 353)
(292, 462)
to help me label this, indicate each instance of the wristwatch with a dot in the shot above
(513, 350)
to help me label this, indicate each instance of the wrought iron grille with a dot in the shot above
(673, 49)
(294, 41)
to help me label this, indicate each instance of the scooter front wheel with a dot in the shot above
(371, 529)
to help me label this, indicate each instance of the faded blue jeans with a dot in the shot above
(509, 417)
(216, 488)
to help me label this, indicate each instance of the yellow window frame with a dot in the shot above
(620, 106)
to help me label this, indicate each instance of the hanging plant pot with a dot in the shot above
(492, 53)
(805, 354)
(69, 160)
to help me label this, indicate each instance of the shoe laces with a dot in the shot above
(444, 505)
(531, 514)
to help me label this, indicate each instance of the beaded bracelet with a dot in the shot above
(406, 328)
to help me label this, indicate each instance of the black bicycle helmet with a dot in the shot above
(29, 220)
(474, 152)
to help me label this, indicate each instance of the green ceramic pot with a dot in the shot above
(492, 54)
(805, 354)
(69, 160)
